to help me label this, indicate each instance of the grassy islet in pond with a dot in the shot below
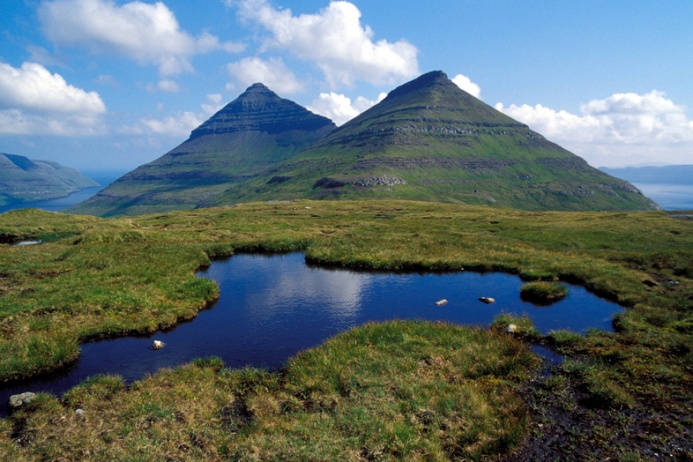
(542, 292)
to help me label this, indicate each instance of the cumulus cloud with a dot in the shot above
(34, 101)
(335, 40)
(340, 108)
(466, 84)
(272, 72)
(147, 33)
(164, 85)
(178, 124)
(623, 129)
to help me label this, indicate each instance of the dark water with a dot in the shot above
(272, 307)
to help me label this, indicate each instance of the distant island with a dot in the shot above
(26, 180)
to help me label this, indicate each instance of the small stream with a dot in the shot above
(273, 306)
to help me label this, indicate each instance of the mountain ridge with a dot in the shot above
(26, 180)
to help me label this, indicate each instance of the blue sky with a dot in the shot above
(106, 84)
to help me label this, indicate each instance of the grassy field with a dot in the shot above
(96, 278)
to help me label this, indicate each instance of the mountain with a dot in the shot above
(26, 180)
(430, 140)
(248, 137)
(427, 140)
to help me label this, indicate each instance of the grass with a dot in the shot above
(393, 391)
(96, 278)
(543, 293)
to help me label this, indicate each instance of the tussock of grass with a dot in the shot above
(393, 391)
(543, 293)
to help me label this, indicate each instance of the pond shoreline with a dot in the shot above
(143, 339)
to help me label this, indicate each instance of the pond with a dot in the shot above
(272, 307)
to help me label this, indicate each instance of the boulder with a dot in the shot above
(17, 401)
(157, 345)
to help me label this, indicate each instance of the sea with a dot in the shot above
(104, 178)
(669, 196)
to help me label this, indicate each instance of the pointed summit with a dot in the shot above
(260, 109)
(250, 135)
(426, 81)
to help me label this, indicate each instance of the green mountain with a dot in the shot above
(428, 140)
(247, 138)
(26, 180)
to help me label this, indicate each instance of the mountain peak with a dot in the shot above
(427, 80)
(257, 86)
(258, 89)
(260, 109)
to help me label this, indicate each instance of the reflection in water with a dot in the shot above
(287, 287)
(272, 307)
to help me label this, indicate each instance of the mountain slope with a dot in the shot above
(430, 140)
(248, 137)
(26, 180)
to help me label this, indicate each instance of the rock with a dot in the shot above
(487, 300)
(441, 302)
(511, 329)
(157, 345)
(17, 401)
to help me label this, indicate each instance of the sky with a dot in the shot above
(110, 85)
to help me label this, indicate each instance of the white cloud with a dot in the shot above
(34, 101)
(340, 108)
(164, 85)
(335, 40)
(178, 124)
(214, 103)
(466, 84)
(272, 73)
(147, 33)
(623, 129)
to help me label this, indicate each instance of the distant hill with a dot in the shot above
(670, 174)
(427, 140)
(26, 180)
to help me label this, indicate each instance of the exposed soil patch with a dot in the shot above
(566, 426)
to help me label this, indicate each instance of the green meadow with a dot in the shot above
(394, 391)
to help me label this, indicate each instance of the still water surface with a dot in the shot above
(272, 307)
